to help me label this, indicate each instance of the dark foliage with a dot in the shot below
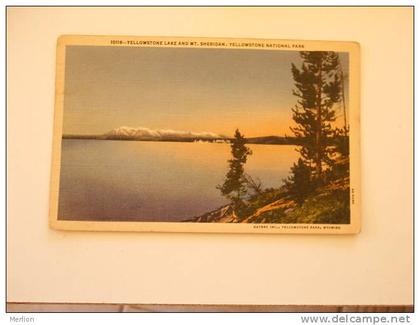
(235, 185)
(300, 184)
(318, 87)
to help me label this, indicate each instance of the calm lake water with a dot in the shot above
(155, 181)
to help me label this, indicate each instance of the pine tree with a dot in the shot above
(300, 183)
(318, 88)
(235, 185)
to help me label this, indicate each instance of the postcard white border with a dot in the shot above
(352, 48)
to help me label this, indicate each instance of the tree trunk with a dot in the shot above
(319, 125)
(343, 100)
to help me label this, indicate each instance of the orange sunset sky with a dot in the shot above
(215, 90)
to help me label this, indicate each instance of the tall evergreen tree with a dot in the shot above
(235, 185)
(318, 88)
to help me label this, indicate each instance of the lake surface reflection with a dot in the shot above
(155, 181)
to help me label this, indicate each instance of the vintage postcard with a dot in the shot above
(206, 135)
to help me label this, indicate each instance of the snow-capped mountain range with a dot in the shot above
(126, 132)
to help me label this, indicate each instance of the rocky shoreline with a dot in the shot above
(327, 205)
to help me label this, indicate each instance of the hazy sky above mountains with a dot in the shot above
(216, 90)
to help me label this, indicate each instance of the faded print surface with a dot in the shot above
(204, 135)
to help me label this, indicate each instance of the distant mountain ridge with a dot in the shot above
(145, 134)
(126, 132)
(272, 139)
